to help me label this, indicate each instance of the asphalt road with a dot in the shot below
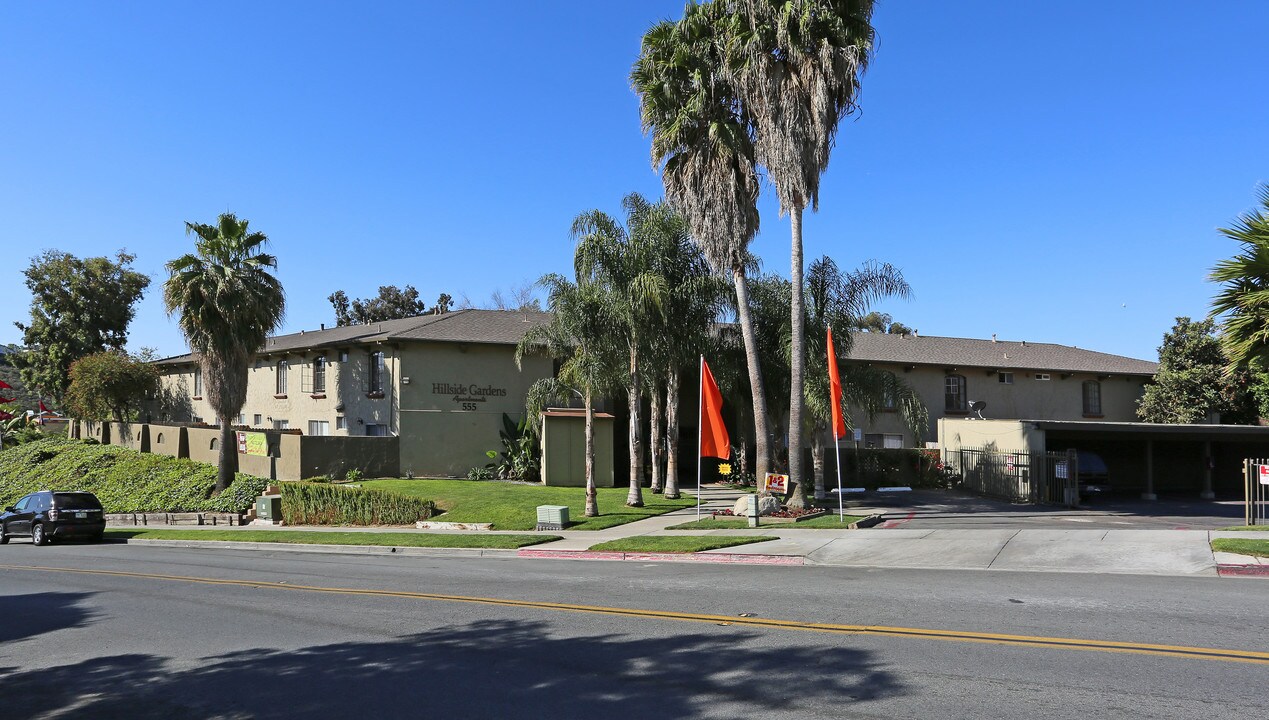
(117, 631)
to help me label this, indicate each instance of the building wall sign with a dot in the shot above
(252, 443)
(468, 396)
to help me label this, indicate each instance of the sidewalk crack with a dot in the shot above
(1002, 549)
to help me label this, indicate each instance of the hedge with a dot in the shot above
(125, 480)
(322, 504)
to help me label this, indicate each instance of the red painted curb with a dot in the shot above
(732, 558)
(1243, 570)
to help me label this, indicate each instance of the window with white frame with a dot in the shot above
(888, 441)
(319, 427)
(257, 420)
(954, 393)
(375, 377)
(341, 422)
(198, 382)
(280, 387)
(281, 424)
(1041, 376)
(319, 374)
(1005, 378)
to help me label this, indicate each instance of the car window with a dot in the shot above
(21, 505)
(76, 501)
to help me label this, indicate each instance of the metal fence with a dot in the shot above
(1255, 490)
(1036, 477)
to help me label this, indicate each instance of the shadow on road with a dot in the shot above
(503, 669)
(33, 614)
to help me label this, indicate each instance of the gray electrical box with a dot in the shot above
(552, 517)
(269, 507)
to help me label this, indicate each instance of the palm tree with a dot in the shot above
(797, 66)
(228, 303)
(1244, 295)
(841, 300)
(580, 334)
(622, 264)
(702, 146)
(692, 305)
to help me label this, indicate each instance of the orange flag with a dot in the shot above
(835, 389)
(714, 439)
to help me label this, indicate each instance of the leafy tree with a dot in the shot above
(228, 302)
(392, 303)
(1191, 384)
(443, 304)
(110, 385)
(78, 307)
(702, 146)
(797, 65)
(880, 322)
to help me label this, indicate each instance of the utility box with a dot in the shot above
(564, 448)
(269, 507)
(552, 517)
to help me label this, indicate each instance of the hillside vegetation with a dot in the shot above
(123, 479)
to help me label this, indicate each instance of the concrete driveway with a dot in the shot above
(952, 509)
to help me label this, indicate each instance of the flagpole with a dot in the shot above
(841, 508)
(700, 432)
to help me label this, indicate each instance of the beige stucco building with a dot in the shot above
(1015, 379)
(438, 383)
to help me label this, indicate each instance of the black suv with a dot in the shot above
(45, 515)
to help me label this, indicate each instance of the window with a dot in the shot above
(257, 420)
(281, 378)
(954, 393)
(1041, 376)
(341, 422)
(160, 441)
(196, 419)
(343, 356)
(198, 382)
(281, 424)
(1006, 378)
(212, 444)
(319, 427)
(374, 430)
(319, 374)
(1092, 398)
(887, 440)
(242, 419)
(375, 384)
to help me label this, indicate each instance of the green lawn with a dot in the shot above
(823, 522)
(1248, 528)
(308, 537)
(1259, 548)
(688, 544)
(513, 506)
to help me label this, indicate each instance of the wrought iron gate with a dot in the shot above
(1037, 477)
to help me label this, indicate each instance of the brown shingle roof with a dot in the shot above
(1003, 355)
(501, 327)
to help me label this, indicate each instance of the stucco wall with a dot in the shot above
(1003, 435)
(1026, 399)
(335, 456)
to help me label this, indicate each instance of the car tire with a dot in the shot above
(4, 537)
(99, 537)
(38, 537)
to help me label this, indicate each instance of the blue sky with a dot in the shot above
(1044, 171)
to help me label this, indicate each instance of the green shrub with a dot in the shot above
(123, 479)
(318, 479)
(319, 504)
(481, 473)
(352, 475)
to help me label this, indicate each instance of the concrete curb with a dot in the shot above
(1242, 570)
(327, 549)
(701, 557)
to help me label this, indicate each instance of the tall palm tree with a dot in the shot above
(228, 304)
(580, 334)
(839, 300)
(797, 66)
(702, 146)
(622, 264)
(1244, 295)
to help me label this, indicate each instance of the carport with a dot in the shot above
(1144, 459)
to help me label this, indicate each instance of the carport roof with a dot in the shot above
(1002, 354)
(1141, 429)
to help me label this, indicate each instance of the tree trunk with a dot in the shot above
(633, 394)
(592, 500)
(228, 456)
(817, 459)
(672, 432)
(796, 365)
(762, 432)
(656, 439)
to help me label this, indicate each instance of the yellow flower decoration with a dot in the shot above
(724, 469)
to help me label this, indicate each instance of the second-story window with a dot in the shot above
(198, 382)
(375, 384)
(281, 378)
(1092, 398)
(954, 393)
(319, 374)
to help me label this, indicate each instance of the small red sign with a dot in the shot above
(1264, 474)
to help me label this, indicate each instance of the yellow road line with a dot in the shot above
(1180, 651)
